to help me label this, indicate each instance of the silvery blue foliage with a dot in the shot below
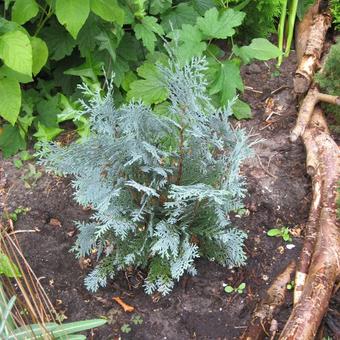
(161, 186)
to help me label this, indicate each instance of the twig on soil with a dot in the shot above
(127, 308)
(264, 169)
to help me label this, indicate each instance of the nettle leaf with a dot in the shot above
(39, 54)
(159, 6)
(72, 14)
(24, 10)
(16, 52)
(182, 14)
(220, 25)
(146, 32)
(59, 42)
(227, 80)
(108, 10)
(151, 89)
(259, 48)
(11, 141)
(190, 43)
(10, 99)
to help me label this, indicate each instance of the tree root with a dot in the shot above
(264, 313)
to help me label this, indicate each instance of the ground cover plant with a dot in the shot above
(47, 47)
(162, 186)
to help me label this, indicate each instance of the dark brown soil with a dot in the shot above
(278, 195)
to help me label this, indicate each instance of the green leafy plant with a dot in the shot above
(282, 232)
(137, 320)
(290, 285)
(335, 10)
(230, 289)
(31, 175)
(15, 214)
(126, 328)
(48, 47)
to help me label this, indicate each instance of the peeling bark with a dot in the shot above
(313, 300)
(309, 61)
(264, 313)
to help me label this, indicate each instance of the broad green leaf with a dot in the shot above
(59, 42)
(190, 43)
(108, 10)
(48, 111)
(159, 6)
(182, 14)
(151, 89)
(10, 99)
(228, 289)
(45, 133)
(39, 54)
(11, 140)
(24, 10)
(7, 267)
(119, 68)
(108, 41)
(201, 6)
(220, 25)
(89, 69)
(274, 232)
(259, 48)
(128, 79)
(241, 286)
(241, 110)
(7, 72)
(16, 52)
(146, 32)
(72, 14)
(227, 79)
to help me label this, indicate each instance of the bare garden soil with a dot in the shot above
(279, 193)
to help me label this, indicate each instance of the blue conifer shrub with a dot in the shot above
(161, 184)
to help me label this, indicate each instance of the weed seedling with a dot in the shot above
(137, 320)
(230, 289)
(291, 285)
(282, 232)
(31, 176)
(21, 158)
(126, 328)
(15, 214)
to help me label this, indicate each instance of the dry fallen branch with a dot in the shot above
(262, 318)
(127, 308)
(305, 72)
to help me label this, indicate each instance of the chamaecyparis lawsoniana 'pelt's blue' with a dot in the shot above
(161, 184)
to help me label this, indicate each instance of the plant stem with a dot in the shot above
(43, 22)
(291, 23)
(281, 30)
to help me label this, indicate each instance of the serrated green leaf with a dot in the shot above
(39, 54)
(274, 232)
(175, 18)
(146, 32)
(16, 52)
(201, 6)
(189, 41)
(108, 10)
(108, 41)
(227, 80)
(10, 99)
(130, 77)
(48, 110)
(241, 110)
(7, 267)
(24, 10)
(151, 89)
(59, 42)
(11, 140)
(220, 25)
(45, 133)
(159, 6)
(259, 48)
(72, 14)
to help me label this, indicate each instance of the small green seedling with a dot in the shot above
(230, 289)
(137, 320)
(15, 214)
(282, 232)
(291, 285)
(126, 328)
(31, 176)
(21, 158)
